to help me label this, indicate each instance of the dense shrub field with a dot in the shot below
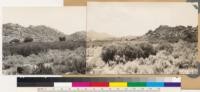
(26, 49)
(144, 58)
(44, 57)
(126, 52)
(51, 62)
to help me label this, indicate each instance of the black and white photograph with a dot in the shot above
(44, 40)
(142, 38)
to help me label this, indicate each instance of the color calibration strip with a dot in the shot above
(98, 82)
(117, 84)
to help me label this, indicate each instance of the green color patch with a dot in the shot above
(136, 84)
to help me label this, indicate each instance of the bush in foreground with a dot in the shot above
(126, 52)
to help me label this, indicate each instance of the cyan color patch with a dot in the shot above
(155, 84)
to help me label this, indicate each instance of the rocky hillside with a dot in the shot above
(39, 33)
(172, 34)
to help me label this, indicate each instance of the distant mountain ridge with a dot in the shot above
(93, 35)
(39, 33)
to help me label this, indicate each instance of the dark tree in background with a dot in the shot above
(28, 39)
(62, 38)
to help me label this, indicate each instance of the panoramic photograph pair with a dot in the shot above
(101, 38)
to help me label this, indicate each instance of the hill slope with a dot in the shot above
(172, 34)
(39, 33)
(78, 36)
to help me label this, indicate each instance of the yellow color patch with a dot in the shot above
(117, 84)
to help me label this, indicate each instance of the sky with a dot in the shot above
(68, 19)
(135, 19)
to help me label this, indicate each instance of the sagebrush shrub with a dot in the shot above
(132, 52)
(41, 69)
(108, 52)
(76, 63)
(68, 61)
(148, 49)
(165, 46)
